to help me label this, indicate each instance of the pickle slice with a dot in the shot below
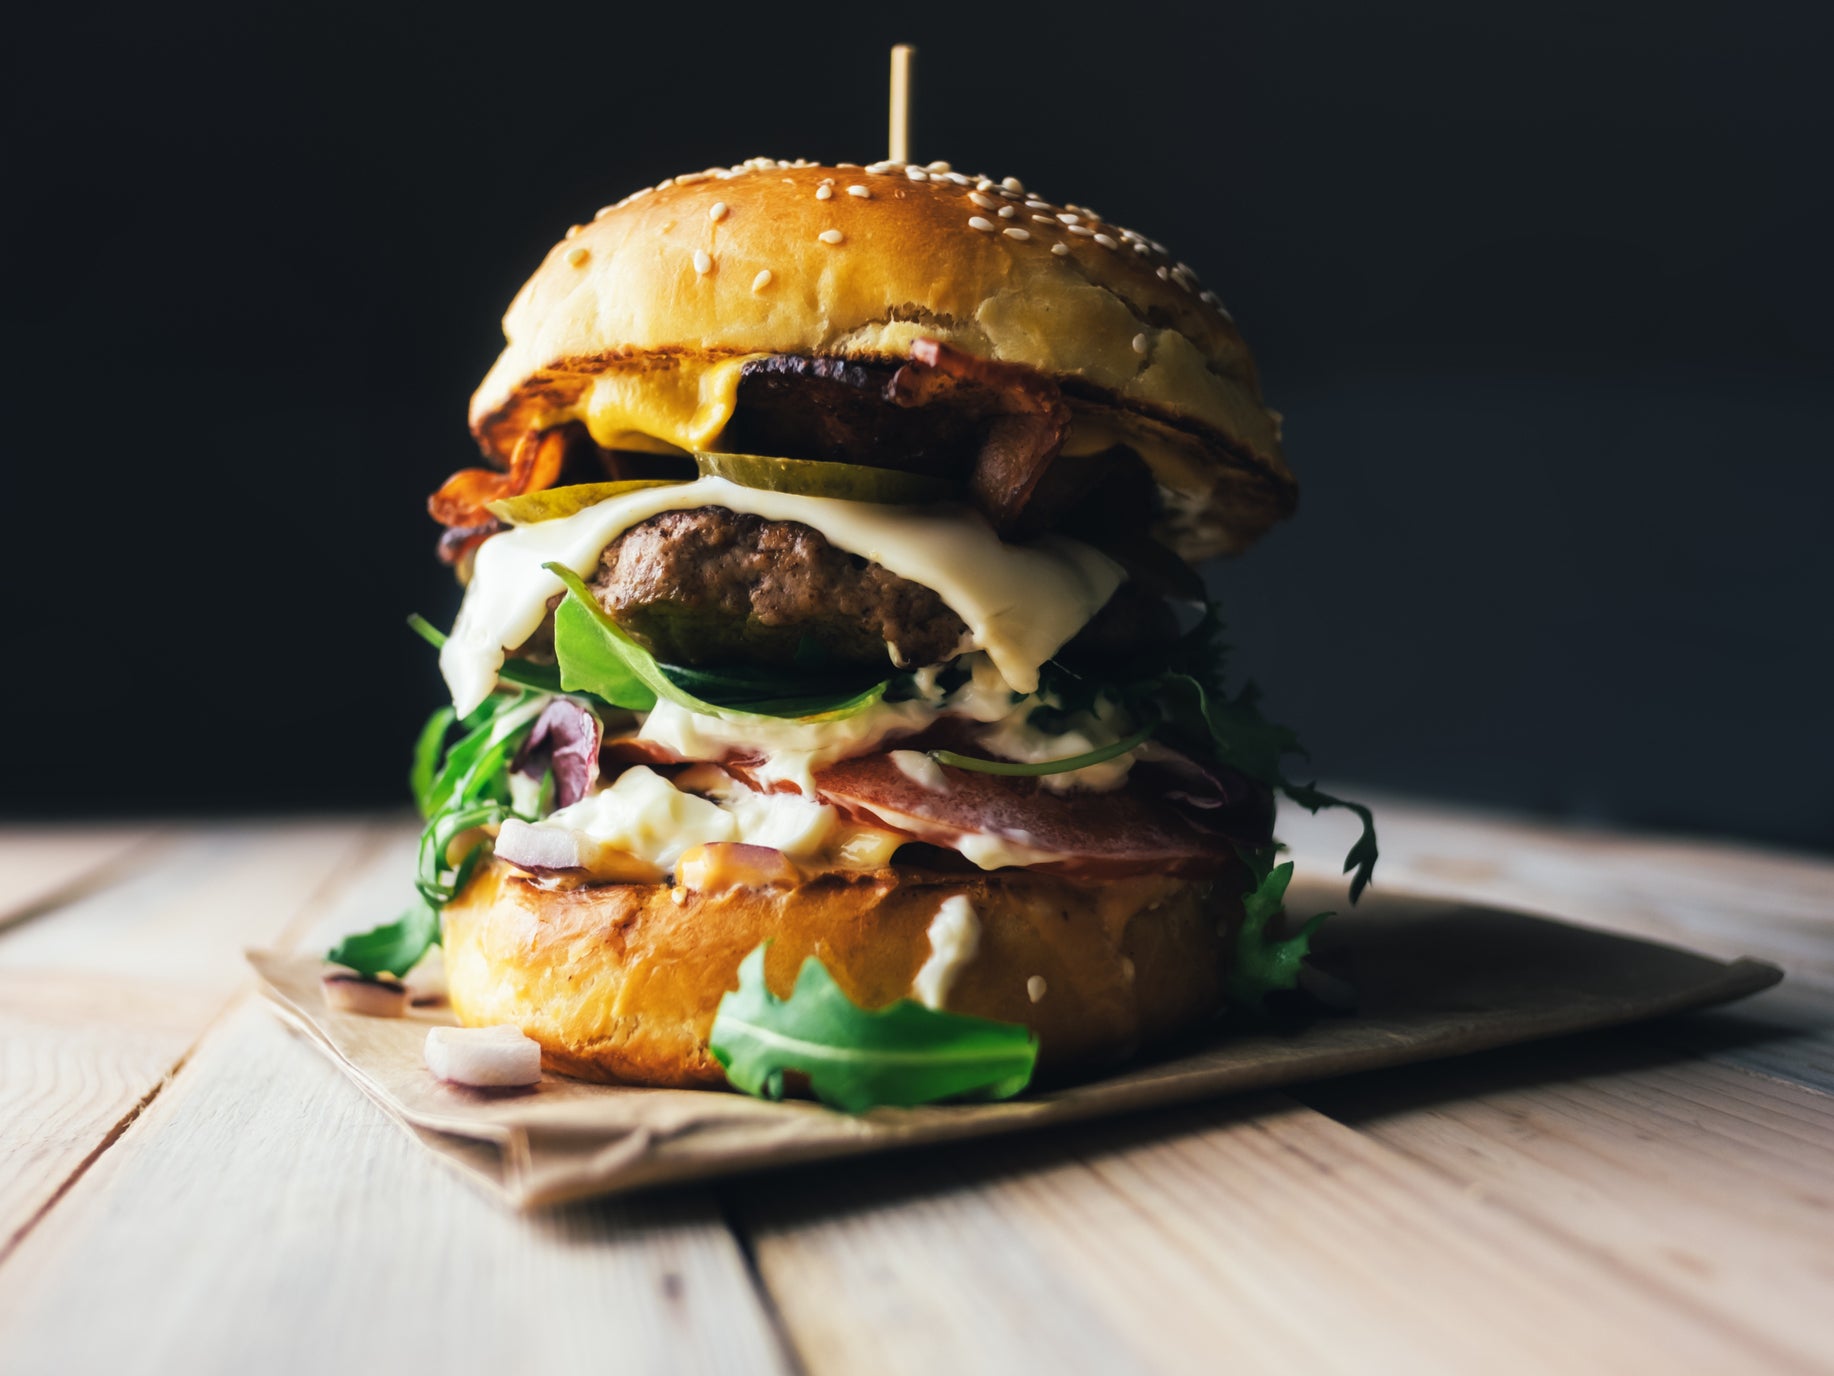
(555, 502)
(848, 482)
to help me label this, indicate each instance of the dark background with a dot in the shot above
(1542, 289)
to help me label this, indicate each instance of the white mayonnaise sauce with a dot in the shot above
(955, 935)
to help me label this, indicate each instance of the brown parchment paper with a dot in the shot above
(1431, 978)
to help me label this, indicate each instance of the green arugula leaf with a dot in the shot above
(1263, 964)
(391, 949)
(598, 656)
(855, 1060)
(469, 788)
(426, 756)
(1362, 856)
(433, 866)
(1247, 741)
(475, 764)
(1020, 770)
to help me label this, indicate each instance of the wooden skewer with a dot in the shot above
(902, 61)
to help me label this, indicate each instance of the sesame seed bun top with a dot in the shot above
(637, 322)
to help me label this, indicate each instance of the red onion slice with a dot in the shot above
(377, 998)
(483, 1057)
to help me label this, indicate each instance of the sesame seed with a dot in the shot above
(917, 174)
(1164, 274)
(984, 184)
(1021, 234)
(1012, 184)
(1006, 212)
(957, 178)
(718, 211)
(1143, 250)
(1039, 205)
(880, 166)
(690, 178)
(1140, 345)
(1083, 230)
(665, 183)
(1060, 249)
(984, 202)
(762, 280)
(847, 164)
(1105, 241)
(1070, 219)
(703, 261)
(823, 192)
(937, 167)
(1045, 220)
(578, 254)
(572, 230)
(1209, 298)
(603, 211)
(976, 222)
(831, 236)
(1036, 988)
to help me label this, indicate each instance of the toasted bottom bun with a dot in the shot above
(620, 982)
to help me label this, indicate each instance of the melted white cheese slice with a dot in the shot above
(1021, 603)
(645, 815)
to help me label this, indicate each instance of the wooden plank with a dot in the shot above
(41, 865)
(102, 998)
(1703, 1180)
(262, 1215)
(1787, 1033)
(319, 1236)
(1258, 1237)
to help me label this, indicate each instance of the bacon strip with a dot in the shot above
(1029, 421)
(466, 495)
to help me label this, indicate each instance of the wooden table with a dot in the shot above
(184, 1186)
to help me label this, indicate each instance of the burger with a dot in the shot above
(835, 708)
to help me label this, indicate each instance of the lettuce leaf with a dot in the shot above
(854, 1059)
(597, 656)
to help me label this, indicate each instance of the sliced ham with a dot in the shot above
(1092, 834)
(1173, 816)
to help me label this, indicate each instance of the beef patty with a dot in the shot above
(712, 586)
